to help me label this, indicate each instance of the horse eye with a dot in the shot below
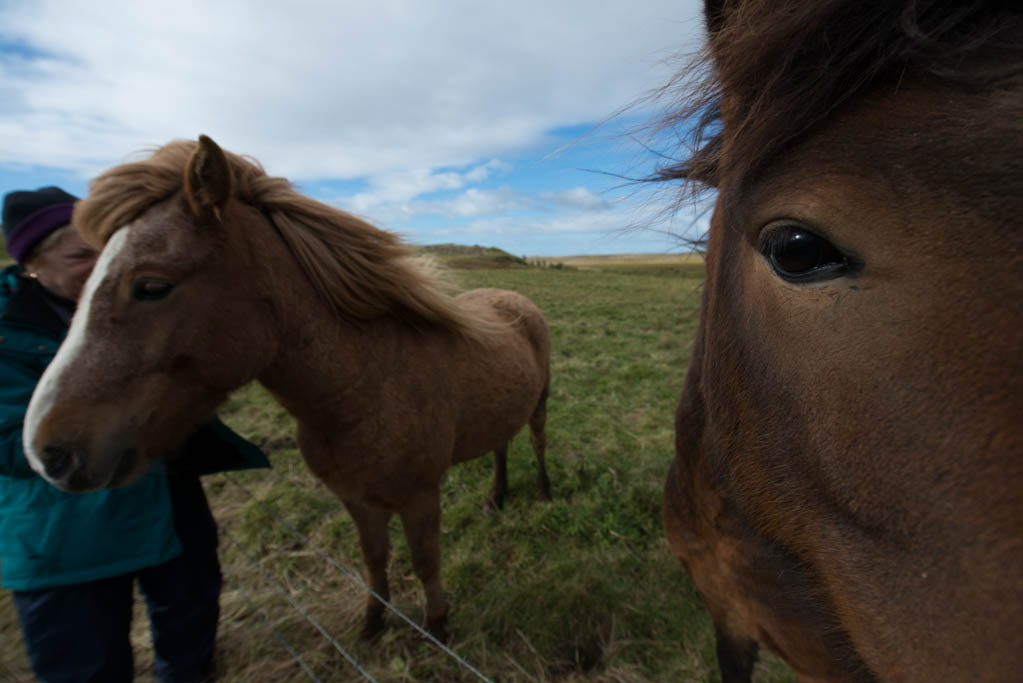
(798, 255)
(150, 289)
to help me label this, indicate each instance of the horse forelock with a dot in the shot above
(121, 194)
(363, 272)
(774, 72)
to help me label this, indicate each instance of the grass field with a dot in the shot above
(583, 588)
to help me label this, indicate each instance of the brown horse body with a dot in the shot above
(848, 484)
(396, 408)
(202, 288)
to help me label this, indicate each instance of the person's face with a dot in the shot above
(64, 267)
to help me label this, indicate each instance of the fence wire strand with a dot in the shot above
(358, 579)
(276, 634)
(301, 610)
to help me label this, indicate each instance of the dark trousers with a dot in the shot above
(80, 633)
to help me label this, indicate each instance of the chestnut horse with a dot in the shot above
(848, 482)
(214, 274)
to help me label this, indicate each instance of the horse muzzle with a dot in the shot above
(67, 467)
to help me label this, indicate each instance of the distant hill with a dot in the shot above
(598, 260)
(474, 257)
(469, 258)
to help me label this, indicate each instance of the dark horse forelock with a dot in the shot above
(788, 70)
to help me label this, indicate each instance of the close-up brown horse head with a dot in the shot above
(848, 483)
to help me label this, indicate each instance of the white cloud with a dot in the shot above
(394, 197)
(575, 222)
(577, 198)
(399, 187)
(323, 89)
(391, 194)
(423, 103)
(483, 171)
(474, 202)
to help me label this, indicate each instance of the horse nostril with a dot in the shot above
(57, 460)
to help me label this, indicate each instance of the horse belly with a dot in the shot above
(382, 472)
(492, 417)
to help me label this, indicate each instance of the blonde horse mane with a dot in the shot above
(362, 271)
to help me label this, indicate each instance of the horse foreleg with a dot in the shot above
(376, 544)
(538, 437)
(421, 520)
(496, 500)
(736, 658)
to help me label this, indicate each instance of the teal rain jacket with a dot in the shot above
(52, 538)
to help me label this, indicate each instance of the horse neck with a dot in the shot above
(321, 360)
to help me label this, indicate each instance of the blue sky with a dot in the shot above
(446, 121)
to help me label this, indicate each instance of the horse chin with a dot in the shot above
(130, 468)
(127, 469)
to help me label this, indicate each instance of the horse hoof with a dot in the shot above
(438, 628)
(372, 629)
(494, 503)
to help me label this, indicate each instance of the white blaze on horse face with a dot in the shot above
(48, 389)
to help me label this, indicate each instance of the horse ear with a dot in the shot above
(207, 179)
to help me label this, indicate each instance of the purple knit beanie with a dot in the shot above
(30, 215)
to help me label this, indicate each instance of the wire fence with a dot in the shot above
(276, 634)
(345, 572)
(7, 674)
(305, 614)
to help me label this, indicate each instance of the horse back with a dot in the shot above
(523, 318)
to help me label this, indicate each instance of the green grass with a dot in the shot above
(583, 588)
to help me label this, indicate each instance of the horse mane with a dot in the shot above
(362, 271)
(787, 67)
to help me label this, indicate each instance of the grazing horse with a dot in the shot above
(214, 274)
(848, 482)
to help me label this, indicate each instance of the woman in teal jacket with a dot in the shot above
(72, 559)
